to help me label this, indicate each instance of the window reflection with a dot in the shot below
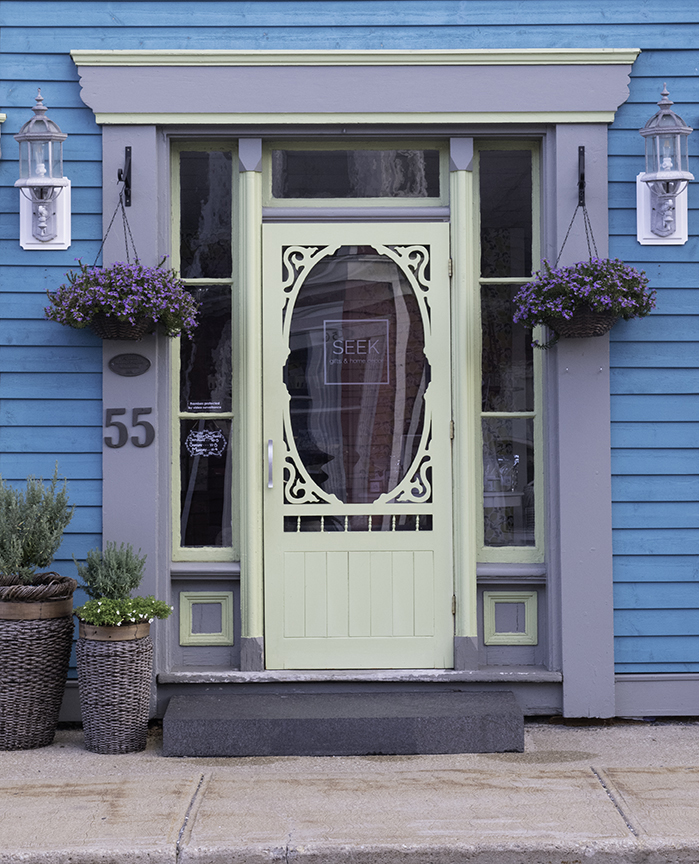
(355, 173)
(508, 363)
(506, 213)
(205, 469)
(508, 481)
(205, 360)
(205, 214)
(357, 375)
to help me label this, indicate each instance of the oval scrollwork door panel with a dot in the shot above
(358, 563)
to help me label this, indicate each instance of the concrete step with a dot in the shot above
(342, 724)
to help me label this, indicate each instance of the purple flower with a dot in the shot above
(126, 291)
(600, 284)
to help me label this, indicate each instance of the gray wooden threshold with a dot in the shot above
(501, 674)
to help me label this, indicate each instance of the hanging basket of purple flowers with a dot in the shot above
(584, 299)
(124, 301)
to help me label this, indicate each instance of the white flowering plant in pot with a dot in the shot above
(109, 577)
(115, 652)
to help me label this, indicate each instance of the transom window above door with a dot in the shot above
(355, 174)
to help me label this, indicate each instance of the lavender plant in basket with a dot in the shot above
(583, 299)
(115, 299)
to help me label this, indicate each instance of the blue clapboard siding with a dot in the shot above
(683, 569)
(655, 398)
(38, 359)
(638, 435)
(654, 514)
(655, 370)
(50, 376)
(243, 14)
(640, 487)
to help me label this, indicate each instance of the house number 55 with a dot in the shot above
(122, 433)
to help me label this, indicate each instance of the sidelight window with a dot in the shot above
(510, 367)
(203, 375)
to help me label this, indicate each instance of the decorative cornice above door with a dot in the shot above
(368, 87)
(456, 57)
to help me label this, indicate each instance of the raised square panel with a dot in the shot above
(206, 617)
(510, 618)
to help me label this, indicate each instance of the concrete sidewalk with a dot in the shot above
(627, 792)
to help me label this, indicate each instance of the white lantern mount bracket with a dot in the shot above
(44, 211)
(661, 188)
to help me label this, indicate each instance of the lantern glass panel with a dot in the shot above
(652, 155)
(24, 169)
(669, 145)
(56, 160)
(39, 158)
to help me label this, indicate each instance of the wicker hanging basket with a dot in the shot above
(584, 323)
(108, 327)
(114, 678)
(36, 636)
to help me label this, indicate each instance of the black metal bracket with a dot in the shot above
(581, 176)
(124, 176)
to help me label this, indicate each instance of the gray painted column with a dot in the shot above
(130, 473)
(134, 508)
(587, 618)
(582, 452)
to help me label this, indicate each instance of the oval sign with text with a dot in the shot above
(129, 365)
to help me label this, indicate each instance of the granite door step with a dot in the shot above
(342, 724)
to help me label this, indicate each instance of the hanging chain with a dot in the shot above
(589, 236)
(128, 236)
(127, 231)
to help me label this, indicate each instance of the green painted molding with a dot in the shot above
(189, 599)
(447, 57)
(466, 395)
(248, 359)
(431, 118)
(493, 636)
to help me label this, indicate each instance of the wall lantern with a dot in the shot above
(662, 214)
(44, 205)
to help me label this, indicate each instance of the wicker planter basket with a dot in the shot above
(107, 327)
(584, 323)
(36, 635)
(114, 678)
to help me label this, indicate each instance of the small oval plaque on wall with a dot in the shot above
(129, 365)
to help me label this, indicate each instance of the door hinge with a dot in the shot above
(451, 429)
(453, 604)
(451, 268)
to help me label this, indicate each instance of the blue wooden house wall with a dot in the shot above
(50, 407)
(655, 393)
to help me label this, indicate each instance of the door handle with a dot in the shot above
(270, 463)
